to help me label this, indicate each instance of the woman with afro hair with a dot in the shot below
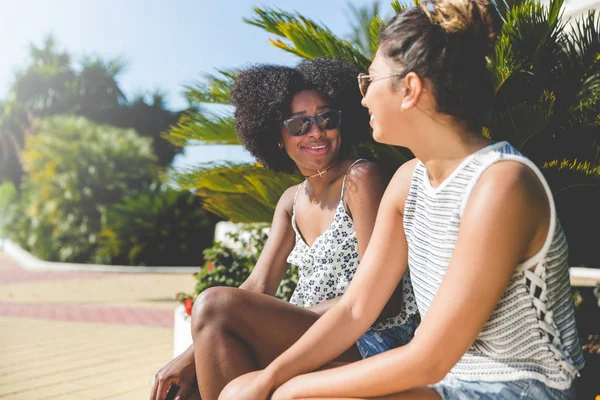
(306, 119)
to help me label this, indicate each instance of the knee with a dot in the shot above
(210, 308)
(229, 391)
(232, 388)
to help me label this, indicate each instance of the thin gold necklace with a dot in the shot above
(319, 172)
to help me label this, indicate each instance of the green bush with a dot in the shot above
(230, 264)
(156, 226)
(75, 169)
(8, 206)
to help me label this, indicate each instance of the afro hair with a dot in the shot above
(262, 96)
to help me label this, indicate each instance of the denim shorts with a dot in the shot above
(456, 389)
(374, 342)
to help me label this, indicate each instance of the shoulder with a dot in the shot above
(510, 179)
(510, 188)
(405, 172)
(364, 186)
(399, 186)
(364, 172)
(364, 179)
(286, 201)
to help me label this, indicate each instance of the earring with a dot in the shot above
(279, 145)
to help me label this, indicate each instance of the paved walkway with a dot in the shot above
(84, 335)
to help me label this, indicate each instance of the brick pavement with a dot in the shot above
(83, 335)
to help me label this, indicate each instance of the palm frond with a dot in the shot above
(207, 127)
(503, 62)
(237, 192)
(519, 122)
(361, 21)
(217, 89)
(399, 7)
(304, 37)
(377, 25)
(534, 35)
(582, 64)
(565, 174)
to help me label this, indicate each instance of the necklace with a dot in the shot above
(319, 172)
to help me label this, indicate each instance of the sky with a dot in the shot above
(165, 45)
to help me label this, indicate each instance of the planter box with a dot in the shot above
(182, 331)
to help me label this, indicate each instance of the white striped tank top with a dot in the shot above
(327, 267)
(531, 334)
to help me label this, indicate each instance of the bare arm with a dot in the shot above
(382, 267)
(477, 274)
(272, 265)
(364, 192)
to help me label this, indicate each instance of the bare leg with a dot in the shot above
(236, 331)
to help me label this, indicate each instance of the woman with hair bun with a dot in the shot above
(472, 220)
(306, 119)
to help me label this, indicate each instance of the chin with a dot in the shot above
(378, 136)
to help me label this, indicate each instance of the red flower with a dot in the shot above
(188, 303)
(211, 266)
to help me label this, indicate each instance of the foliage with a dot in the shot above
(304, 37)
(15, 121)
(75, 169)
(8, 207)
(53, 84)
(149, 118)
(547, 104)
(587, 316)
(206, 127)
(229, 263)
(239, 192)
(155, 226)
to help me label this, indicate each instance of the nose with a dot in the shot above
(315, 130)
(363, 102)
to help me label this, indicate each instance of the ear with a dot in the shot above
(412, 91)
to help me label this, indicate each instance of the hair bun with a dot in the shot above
(476, 17)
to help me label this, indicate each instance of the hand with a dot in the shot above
(251, 386)
(180, 371)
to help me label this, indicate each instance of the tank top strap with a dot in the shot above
(296, 197)
(346, 174)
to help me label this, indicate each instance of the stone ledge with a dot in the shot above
(29, 262)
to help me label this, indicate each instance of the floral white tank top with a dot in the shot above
(326, 268)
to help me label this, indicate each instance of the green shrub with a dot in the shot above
(230, 264)
(156, 226)
(8, 206)
(75, 169)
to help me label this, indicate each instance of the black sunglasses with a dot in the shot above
(301, 125)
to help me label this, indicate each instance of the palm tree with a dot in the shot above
(365, 23)
(547, 103)
(96, 87)
(238, 192)
(46, 86)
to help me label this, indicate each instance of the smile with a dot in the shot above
(317, 148)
